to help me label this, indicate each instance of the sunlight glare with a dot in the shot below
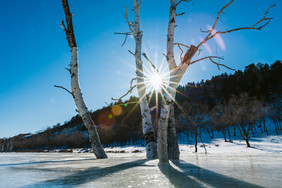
(156, 80)
(218, 39)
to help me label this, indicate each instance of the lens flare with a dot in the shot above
(218, 39)
(116, 110)
(206, 46)
(156, 81)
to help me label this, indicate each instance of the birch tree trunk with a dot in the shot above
(176, 73)
(76, 91)
(147, 125)
(173, 147)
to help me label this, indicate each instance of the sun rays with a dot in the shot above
(157, 82)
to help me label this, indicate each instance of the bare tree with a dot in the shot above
(223, 119)
(196, 115)
(167, 145)
(75, 88)
(246, 113)
(177, 71)
(147, 125)
(275, 115)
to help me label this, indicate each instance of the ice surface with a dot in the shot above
(230, 169)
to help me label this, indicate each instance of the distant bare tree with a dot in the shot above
(196, 115)
(246, 112)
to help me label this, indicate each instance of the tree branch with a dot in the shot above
(69, 30)
(211, 59)
(129, 91)
(139, 4)
(180, 14)
(180, 44)
(212, 32)
(64, 89)
(126, 35)
(63, 26)
(132, 53)
(130, 24)
(180, 1)
(153, 66)
(68, 70)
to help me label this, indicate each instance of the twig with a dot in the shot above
(180, 14)
(139, 4)
(132, 53)
(63, 26)
(212, 34)
(129, 91)
(211, 59)
(180, 1)
(129, 23)
(131, 82)
(126, 35)
(180, 44)
(68, 70)
(64, 89)
(144, 54)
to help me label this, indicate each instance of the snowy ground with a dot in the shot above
(225, 165)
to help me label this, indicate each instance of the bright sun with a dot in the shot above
(156, 80)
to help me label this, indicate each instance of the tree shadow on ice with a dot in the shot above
(41, 162)
(190, 175)
(87, 175)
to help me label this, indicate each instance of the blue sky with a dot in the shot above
(34, 51)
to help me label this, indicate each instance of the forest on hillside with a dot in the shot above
(240, 101)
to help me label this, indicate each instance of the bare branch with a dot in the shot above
(211, 59)
(180, 14)
(180, 44)
(68, 70)
(212, 29)
(139, 4)
(144, 54)
(203, 31)
(131, 82)
(129, 91)
(126, 35)
(165, 56)
(65, 90)
(132, 53)
(69, 30)
(256, 26)
(122, 104)
(63, 26)
(181, 52)
(130, 24)
(180, 1)
(218, 16)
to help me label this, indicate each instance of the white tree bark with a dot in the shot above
(76, 91)
(176, 73)
(173, 147)
(82, 108)
(147, 125)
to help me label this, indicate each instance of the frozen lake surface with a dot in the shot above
(132, 170)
